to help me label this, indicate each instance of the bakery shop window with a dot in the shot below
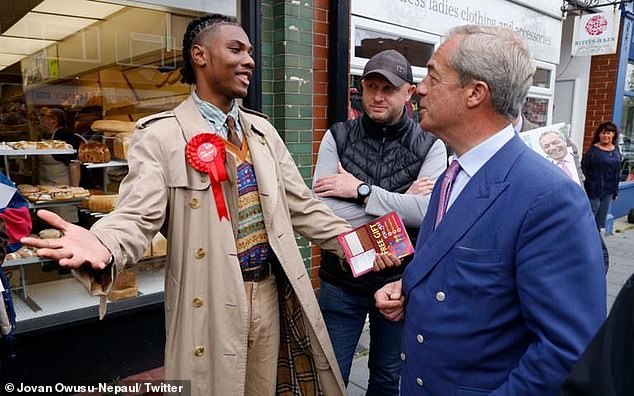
(70, 94)
(98, 78)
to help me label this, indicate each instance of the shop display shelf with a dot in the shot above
(53, 204)
(28, 153)
(110, 164)
(35, 301)
(96, 215)
(66, 301)
(24, 153)
(24, 261)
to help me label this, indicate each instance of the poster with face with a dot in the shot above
(553, 143)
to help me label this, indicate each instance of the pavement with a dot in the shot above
(621, 248)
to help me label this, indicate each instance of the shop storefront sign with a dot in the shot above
(596, 34)
(226, 7)
(540, 29)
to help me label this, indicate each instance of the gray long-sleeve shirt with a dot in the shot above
(411, 208)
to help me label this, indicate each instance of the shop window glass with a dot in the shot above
(55, 83)
(369, 42)
(541, 78)
(122, 68)
(629, 79)
(536, 111)
(626, 140)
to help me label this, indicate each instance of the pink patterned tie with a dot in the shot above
(563, 167)
(445, 188)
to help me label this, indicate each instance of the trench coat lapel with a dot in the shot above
(190, 119)
(193, 123)
(472, 203)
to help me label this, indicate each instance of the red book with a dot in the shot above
(385, 234)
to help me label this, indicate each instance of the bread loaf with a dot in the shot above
(102, 203)
(113, 126)
(125, 286)
(94, 152)
(120, 145)
(125, 279)
(116, 295)
(159, 245)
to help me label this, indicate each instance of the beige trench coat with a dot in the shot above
(205, 303)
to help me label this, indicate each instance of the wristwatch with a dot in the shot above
(363, 191)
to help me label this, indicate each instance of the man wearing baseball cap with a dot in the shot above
(367, 167)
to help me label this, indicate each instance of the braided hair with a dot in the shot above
(192, 35)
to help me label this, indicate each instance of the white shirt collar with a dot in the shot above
(475, 158)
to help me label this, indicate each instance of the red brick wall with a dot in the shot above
(320, 98)
(601, 92)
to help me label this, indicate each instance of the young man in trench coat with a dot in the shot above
(223, 320)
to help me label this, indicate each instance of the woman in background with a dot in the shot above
(60, 169)
(601, 165)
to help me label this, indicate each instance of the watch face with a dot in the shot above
(363, 189)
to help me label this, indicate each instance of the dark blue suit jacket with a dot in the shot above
(506, 293)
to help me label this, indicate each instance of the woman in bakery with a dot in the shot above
(60, 169)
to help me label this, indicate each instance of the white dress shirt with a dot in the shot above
(474, 159)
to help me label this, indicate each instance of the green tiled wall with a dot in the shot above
(287, 81)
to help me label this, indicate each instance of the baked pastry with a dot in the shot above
(25, 252)
(43, 145)
(79, 192)
(50, 233)
(27, 188)
(32, 197)
(61, 194)
(45, 188)
(25, 145)
(94, 152)
(59, 144)
(12, 256)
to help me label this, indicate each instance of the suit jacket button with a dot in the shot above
(440, 296)
(402, 356)
(200, 253)
(194, 204)
(420, 338)
(199, 351)
(419, 381)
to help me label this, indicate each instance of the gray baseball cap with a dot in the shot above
(391, 65)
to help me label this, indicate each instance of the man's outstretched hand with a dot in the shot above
(77, 247)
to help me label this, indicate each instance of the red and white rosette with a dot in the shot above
(205, 152)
